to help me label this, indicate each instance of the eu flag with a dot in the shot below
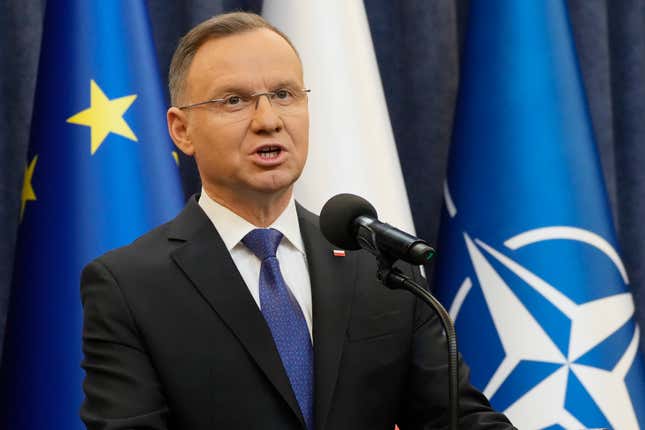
(530, 266)
(100, 172)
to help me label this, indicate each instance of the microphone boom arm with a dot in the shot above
(395, 279)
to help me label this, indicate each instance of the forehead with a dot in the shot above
(255, 58)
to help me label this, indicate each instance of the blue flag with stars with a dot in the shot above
(100, 172)
(530, 267)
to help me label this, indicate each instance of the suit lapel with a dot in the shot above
(332, 288)
(208, 264)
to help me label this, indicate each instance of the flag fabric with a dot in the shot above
(351, 143)
(100, 172)
(529, 265)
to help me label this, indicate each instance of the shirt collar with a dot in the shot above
(232, 228)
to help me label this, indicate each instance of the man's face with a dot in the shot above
(266, 151)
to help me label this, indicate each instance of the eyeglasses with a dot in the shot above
(237, 107)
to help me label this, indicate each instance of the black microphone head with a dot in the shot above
(337, 219)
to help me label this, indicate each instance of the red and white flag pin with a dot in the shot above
(339, 253)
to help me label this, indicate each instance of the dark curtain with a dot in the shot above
(417, 43)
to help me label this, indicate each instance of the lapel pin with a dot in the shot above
(338, 253)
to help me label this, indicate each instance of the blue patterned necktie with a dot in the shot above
(285, 319)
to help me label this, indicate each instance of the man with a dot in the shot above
(214, 321)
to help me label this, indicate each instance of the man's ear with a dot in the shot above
(178, 129)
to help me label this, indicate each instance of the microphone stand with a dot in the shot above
(395, 279)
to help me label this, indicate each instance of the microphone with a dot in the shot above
(351, 222)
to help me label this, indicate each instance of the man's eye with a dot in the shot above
(282, 94)
(233, 100)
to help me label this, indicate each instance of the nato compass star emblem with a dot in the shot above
(525, 342)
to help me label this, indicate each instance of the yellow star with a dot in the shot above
(27, 188)
(104, 116)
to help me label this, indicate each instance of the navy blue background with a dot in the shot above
(417, 44)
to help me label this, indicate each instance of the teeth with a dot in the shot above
(271, 154)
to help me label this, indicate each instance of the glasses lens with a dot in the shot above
(235, 108)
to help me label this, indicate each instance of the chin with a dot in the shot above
(276, 182)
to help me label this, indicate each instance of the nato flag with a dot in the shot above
(530, 267)
(100, 172)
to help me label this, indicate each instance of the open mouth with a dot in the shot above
(269, 152)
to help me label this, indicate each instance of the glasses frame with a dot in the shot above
(255, 96)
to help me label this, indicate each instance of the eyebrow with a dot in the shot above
(233, 89)
(287, 83)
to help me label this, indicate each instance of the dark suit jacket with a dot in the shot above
(173, 340)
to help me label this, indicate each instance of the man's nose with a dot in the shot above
(265, 118)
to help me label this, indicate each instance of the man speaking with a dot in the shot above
(237, 314)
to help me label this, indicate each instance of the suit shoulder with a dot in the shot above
(307, 216)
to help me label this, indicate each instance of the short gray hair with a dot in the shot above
(213, 28)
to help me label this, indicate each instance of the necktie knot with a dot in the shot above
(263, 242)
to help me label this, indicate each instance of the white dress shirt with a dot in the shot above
(291, 251)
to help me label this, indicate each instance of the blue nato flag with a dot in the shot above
(530, 267)
(100, 171)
